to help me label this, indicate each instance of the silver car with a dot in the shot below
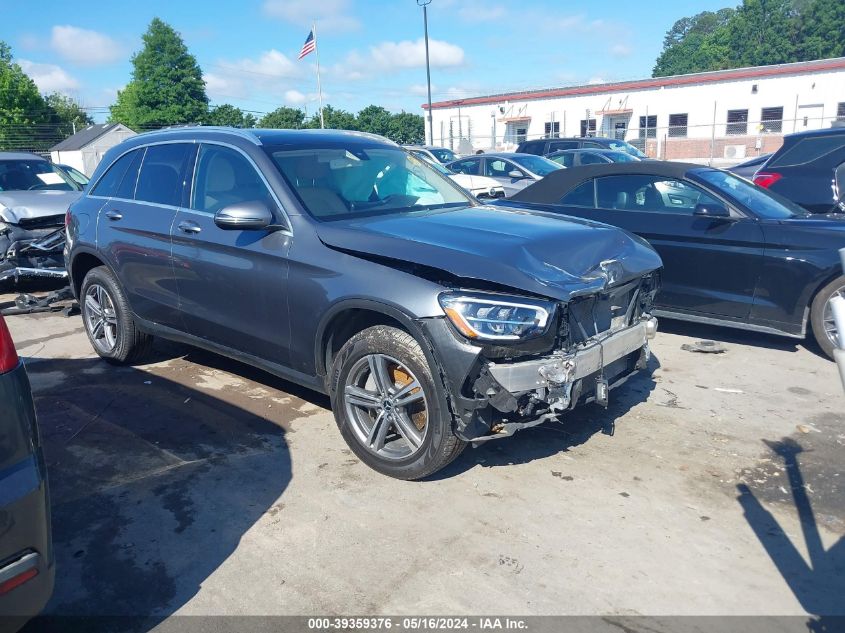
(513, 171)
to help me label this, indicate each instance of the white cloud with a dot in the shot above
(331, 15)
(594, 81)
(270, 72)
(82, 46)
(408, 54)
(478, 11)
(49, 77)
(294, 97)
(421, 90)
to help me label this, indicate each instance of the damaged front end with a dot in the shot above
(500, 383)
(32, 248)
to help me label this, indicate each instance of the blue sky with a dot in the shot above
(371, 51)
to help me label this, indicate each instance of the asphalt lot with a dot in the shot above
(197, 485)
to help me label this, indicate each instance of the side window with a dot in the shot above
(582, 196)
(567, 160)
(109, 182)
(466, 167)
(127, 186)
(162, 174)
(808, 149)
(224, 176)
(650, 194)
(588, 158)
(592, 145)
(557, 145)
(498, 168)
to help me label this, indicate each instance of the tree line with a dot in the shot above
(166, 88)
(755, 33)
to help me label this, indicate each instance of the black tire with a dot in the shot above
(131, 345)
(817, 310)
(439, 445)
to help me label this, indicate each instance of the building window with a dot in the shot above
(840, 111)
(648, 126)
(678, 125)
(592, 129)
(737, 122)
(552, 129)
(772, 119)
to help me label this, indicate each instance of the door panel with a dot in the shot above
(711, 266)
(134, 233)
(232, 284)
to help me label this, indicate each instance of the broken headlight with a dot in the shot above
(489, 317)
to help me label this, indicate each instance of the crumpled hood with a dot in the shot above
(548, 256)
(23, 205)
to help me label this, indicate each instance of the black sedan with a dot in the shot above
(734, 254)
(26, 556)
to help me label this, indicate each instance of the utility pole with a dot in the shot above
(424, 4)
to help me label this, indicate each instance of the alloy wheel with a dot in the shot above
(386, 406)
(827, 318)
(100, 318)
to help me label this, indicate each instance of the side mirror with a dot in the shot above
(516, 174)
(711, 210)
(244, 216)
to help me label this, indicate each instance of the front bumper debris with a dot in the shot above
(31, 256)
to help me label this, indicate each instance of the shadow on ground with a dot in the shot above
(818, 582)
(153, 485)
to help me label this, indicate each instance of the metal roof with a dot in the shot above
(83, 137)
(753, 72)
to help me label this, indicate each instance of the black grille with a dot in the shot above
(593, 314)
(47, 222)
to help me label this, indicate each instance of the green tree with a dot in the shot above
(762, 32)
(335, 119)
(695, 44)
(23, 113)
(66, 115)
(166, 88)
(374, 119)
(283, 118)
(821, 29)
(406, 128)
(228, 115)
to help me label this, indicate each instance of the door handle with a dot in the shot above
(114, 215)
(187, 226)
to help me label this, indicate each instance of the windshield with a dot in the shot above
(763, 203)
(536, 164)
(443, 155)
(32, 175)
(80, 178)
(342, 181)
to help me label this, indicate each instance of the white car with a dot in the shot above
(479, 186)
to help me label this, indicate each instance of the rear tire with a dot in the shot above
(403, 441)
(821, 319)
(108, 319)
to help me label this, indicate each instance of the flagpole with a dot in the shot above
(319, 86)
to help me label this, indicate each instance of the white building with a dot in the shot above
(85, 149)
(717, 115)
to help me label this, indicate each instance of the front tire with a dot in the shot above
(821, 316)
(387, 406)
(108, 319)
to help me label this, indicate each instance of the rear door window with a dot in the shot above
(558, 145)
(109, 182)
(588, 158)
(470, 166)
(807, 150)
(161, 180)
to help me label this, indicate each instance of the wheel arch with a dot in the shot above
(83, 261)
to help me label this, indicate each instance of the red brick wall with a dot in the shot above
(681, 148)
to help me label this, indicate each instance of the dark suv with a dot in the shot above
(342, 263)
(545, 146)
(808, 169)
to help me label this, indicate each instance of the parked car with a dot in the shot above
(545, 146)
(804, 169)
(338, 261)
(513, 172)
(80, 178)
(441, 155)
(34, 197)
(579, 157)
(748, 168)
(734, 254)
(26, 553)
(479, 186)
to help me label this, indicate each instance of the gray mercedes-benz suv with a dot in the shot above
(340, 262)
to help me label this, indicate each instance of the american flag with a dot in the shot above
(309, 46)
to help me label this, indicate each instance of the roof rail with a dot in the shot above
(247, 134)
